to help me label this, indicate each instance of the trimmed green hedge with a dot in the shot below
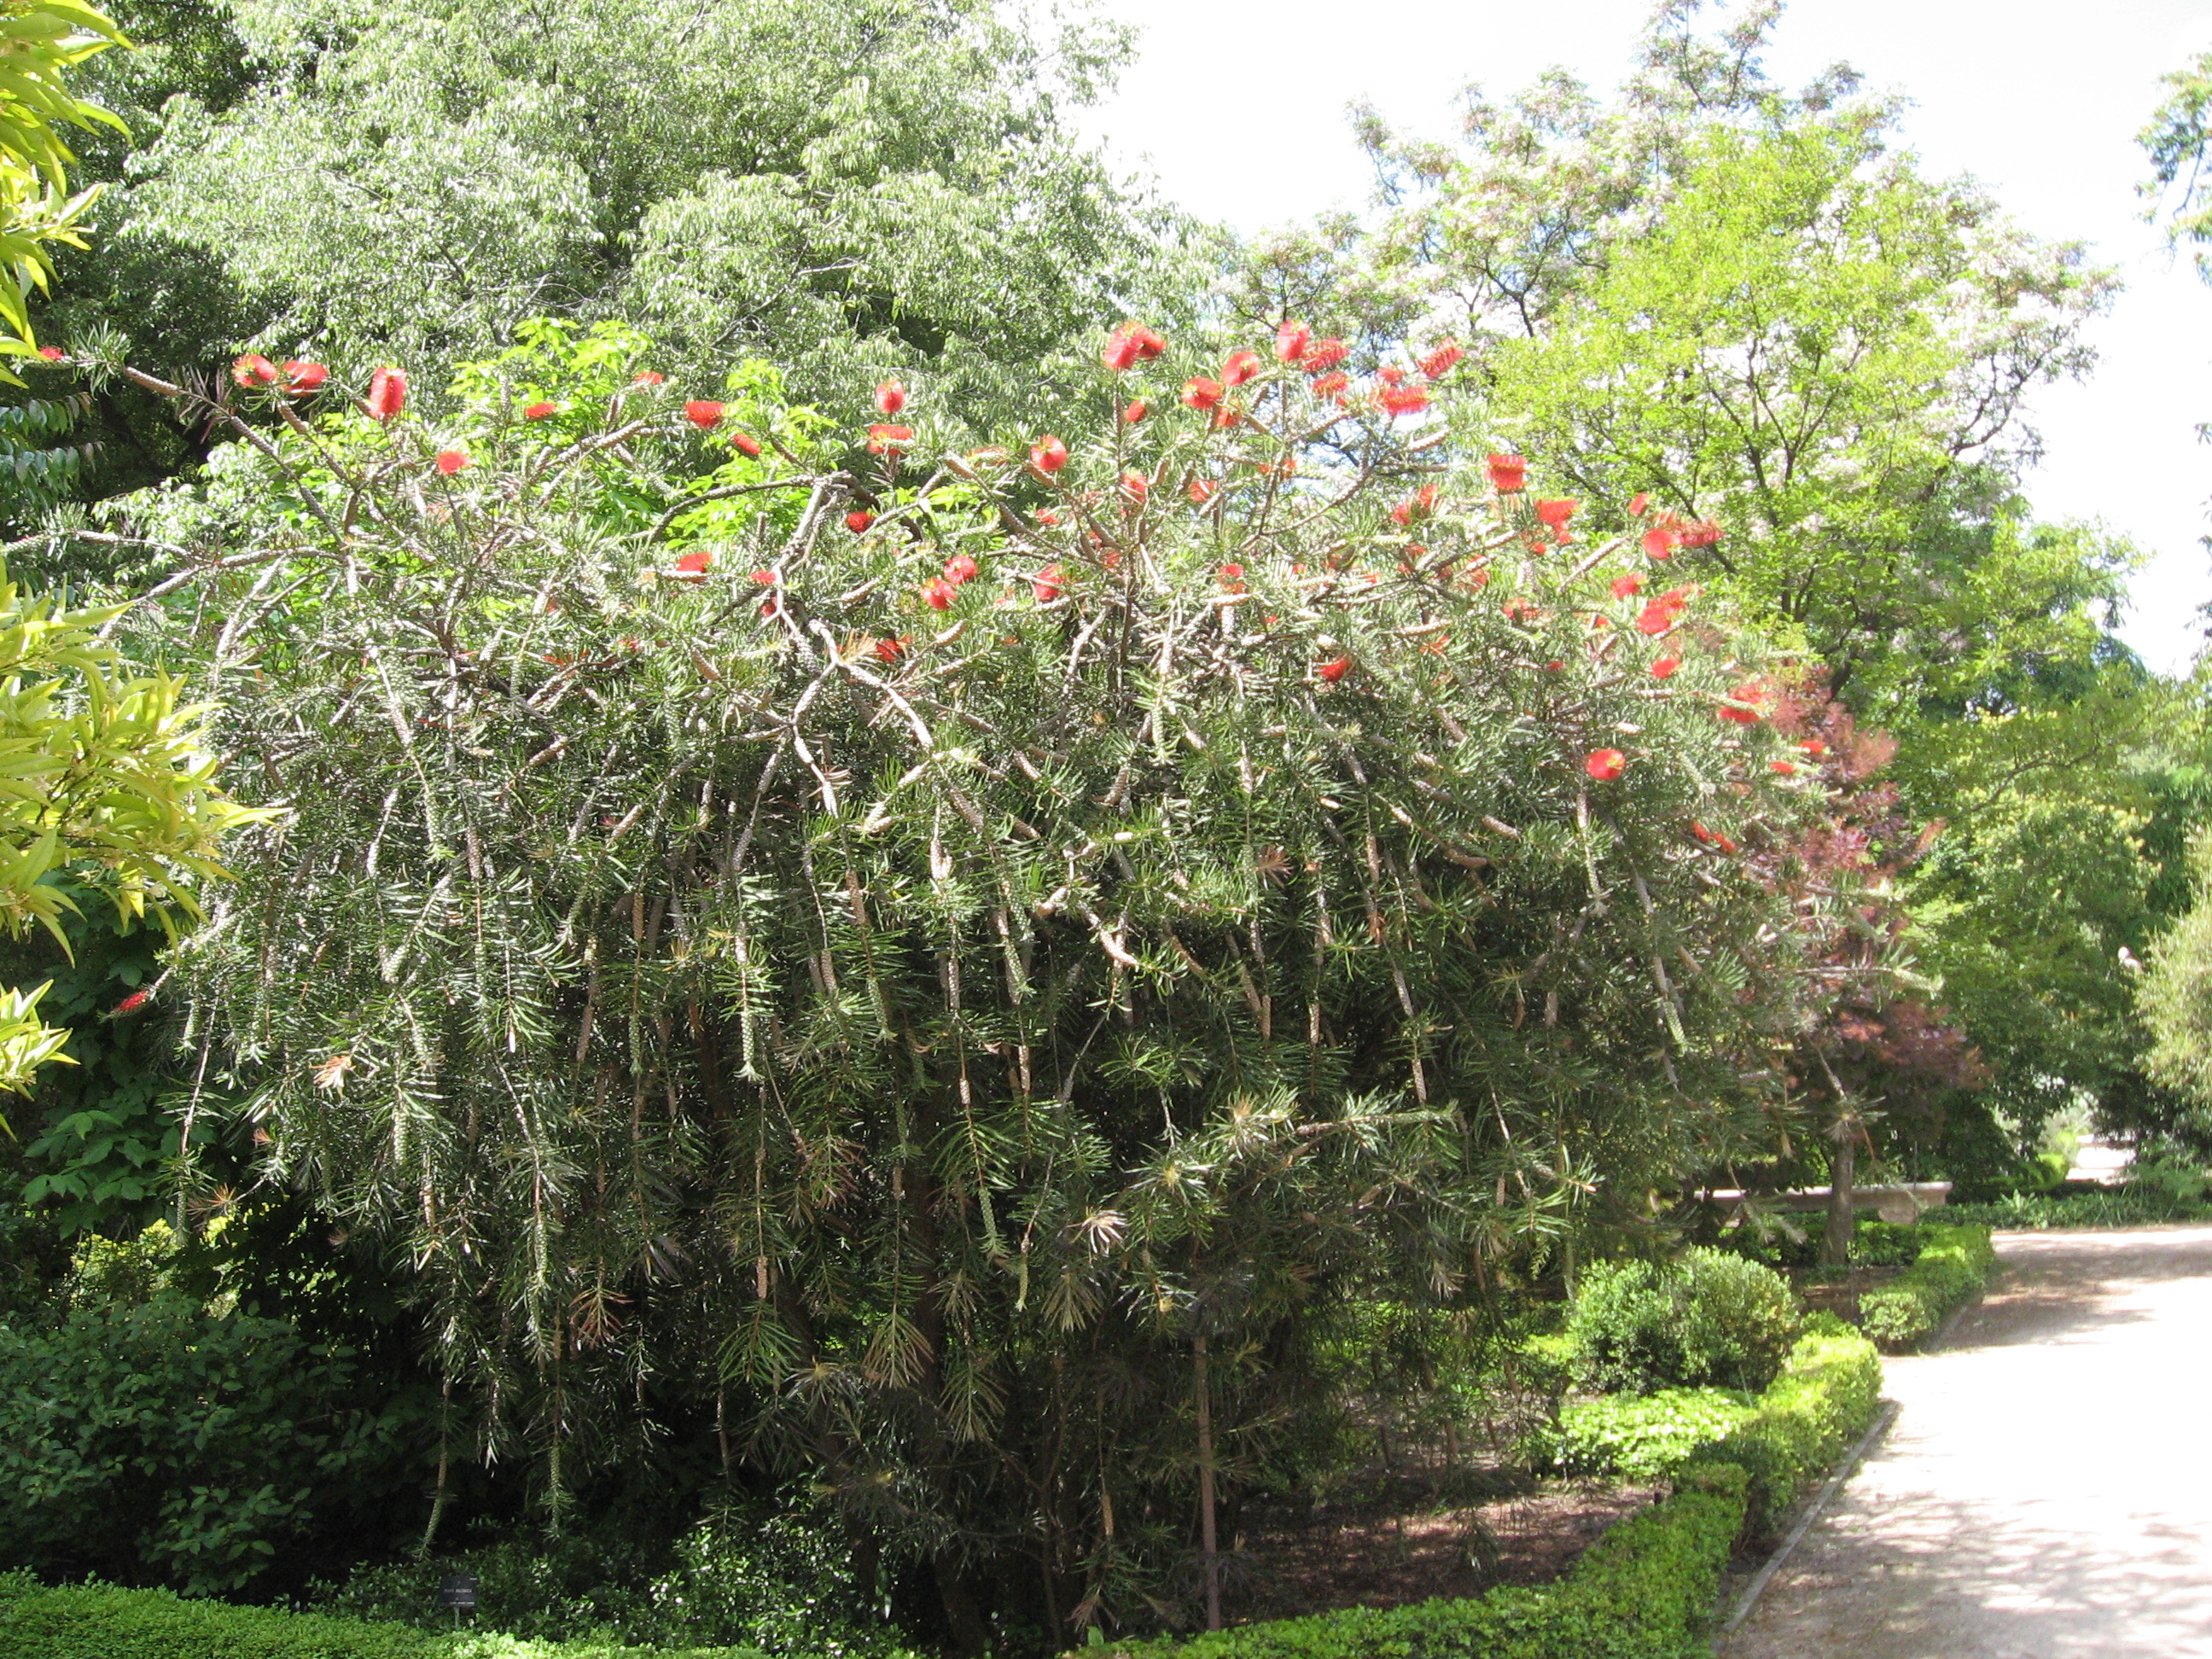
(1639, 1437)
(1827, 1393)
(98, 1621)
(1643, 1591)
(1953, 1265)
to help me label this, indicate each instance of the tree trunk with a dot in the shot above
(1835, 1247)
(968, 1636)
(1209, 1542)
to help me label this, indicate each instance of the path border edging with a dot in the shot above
(1811, 1513)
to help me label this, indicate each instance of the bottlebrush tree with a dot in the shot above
(967, 961)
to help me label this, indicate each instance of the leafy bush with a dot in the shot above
(1952, 1263)
(777, 1584)
(99, 1621)
(1639, 1437)
(156, 1440)
(1886, 1244)
(1640, 1592)
(1823, 1398)
(2130, 1206)
(1711, 1317)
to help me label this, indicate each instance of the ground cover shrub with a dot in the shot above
(1711, 1317)
(2128, 1206)
(1823, 1398)
(101, 1621)
(1639, 1437)
(778, 1582)
(1952, 1263)
(1642, 1591)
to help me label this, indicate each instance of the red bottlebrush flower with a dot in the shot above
(1396, 400)
(745, 444)
(692, 566)
(1723, 843)
(762, 577)
(1048, 516)
(647, 377)
(1748, 692)
(1509, 474)
(1663, 612)
(538, 411)
(1627, 587)
(939, 593)
(1130, 344)
(1327, 387)
(1604, 765)
(889, 650)
(451, 461)
(1136, 410)
(1291, 340)
(1703, 534)
(891, 397)
(51, 354)
(1201, 393)
(1241, 367)
(771, 608)
(1638, 504)
(1556, 514)
(136, 999)
(301, 376)
(1335, 669)
(858, 520)
(1813, 746)
(253, 370)
(1046, 585)
(889, 440)
(1520, 610)
(1325, 354)
(387, 393)
(959, 568)
(1232, 573)
(1659, 544)
(1783, 767)
(1701, 832)
(1226, 417)
(1135, 487)
(1663, 668)
(1439, 363)
(1200, 491)
(703, 414)
(1391, 374)
(1048, 454)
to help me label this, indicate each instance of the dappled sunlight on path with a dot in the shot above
(2046, 1490)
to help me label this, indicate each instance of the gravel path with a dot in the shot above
(2046, 1490)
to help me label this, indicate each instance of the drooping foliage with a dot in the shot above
(967, 966)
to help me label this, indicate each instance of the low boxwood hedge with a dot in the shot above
(1646, 1436)
(99, 1621)
(1802, 1422)
(1953, 1264)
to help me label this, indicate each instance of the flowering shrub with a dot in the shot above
(912, 935)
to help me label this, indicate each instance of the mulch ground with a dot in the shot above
(1403, 1542)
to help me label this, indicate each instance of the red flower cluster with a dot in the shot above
(891, 397)
(1048, 454)
(1136, 409)
(703, 414)
(746, 445)
(1135, 487)
(1439, 363)
(1291, 340)
(253, 370)
(1659, 543)
(889, 440)
(1324, 356)
(1130, 344)
(693, 567)
(1704, 533)
(1751, 693)
(387, 393)
(1396, 400)
(538, 411)
(1335, 669)
(1712, 837)
(1047, 584)
(51, 354)
(1627, 587)
(1604, 765)
(451, 461)
(1331, 385)
(1419, 506)
(136, 999)
(1241, 367)
(1200, 491)
(1201, 393)
(1555, 515)
(1663, 612)
(1509, 474)
(858, 520)
(1663, 668)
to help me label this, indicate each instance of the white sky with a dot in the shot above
(1239, 107)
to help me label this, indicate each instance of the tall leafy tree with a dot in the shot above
(975, 968)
